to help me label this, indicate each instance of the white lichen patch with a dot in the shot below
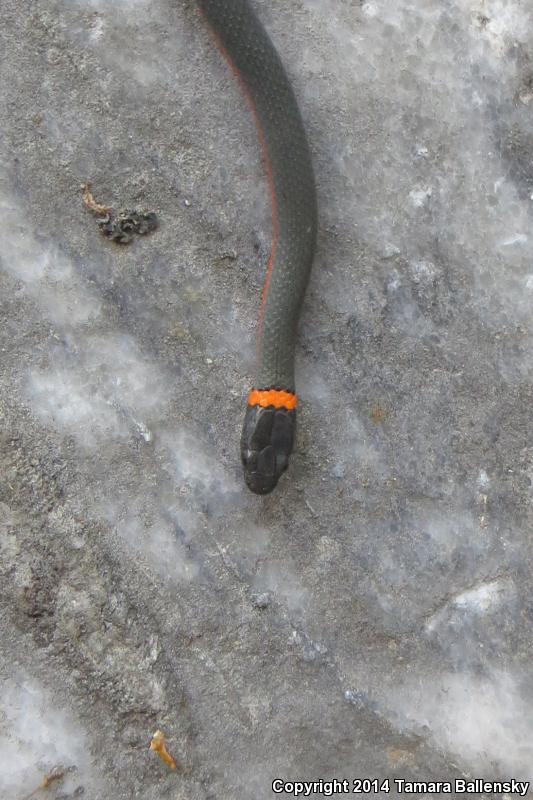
(37, 735)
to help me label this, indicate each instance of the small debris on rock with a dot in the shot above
(123, 226)
(158, 745)
(55, 774)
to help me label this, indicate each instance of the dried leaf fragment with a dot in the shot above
(120, 227)
(90, 203)
(56, 774)
(158, 745)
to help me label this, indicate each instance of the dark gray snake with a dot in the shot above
(270, 421)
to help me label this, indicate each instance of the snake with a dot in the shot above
(269, 426)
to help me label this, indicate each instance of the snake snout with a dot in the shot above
(266, 444)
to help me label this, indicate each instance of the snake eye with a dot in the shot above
(266, 444)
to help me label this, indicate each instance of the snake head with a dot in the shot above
(266, 444)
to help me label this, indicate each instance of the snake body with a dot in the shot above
(270, 420)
